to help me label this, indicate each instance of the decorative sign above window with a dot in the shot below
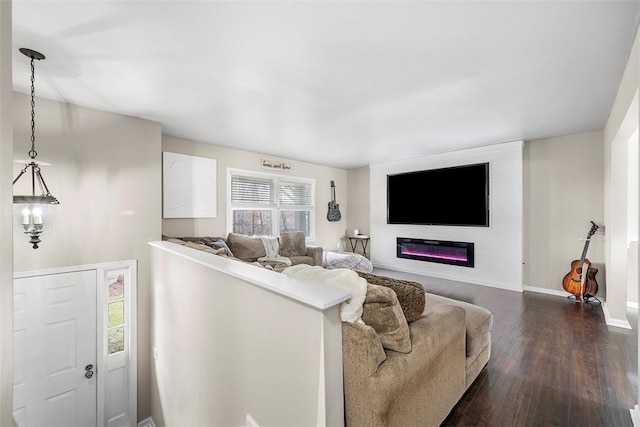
(189, 185)
(276, 165)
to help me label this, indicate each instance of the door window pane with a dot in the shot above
(116, 282)
(116, 287)
(116, 313)
(116, 340)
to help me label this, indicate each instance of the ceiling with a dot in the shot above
(338, 83)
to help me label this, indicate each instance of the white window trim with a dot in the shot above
(130, 270)
(277, 178)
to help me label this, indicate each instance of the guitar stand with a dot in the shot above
(588, 299)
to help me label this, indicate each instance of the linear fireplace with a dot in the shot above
(440, 251)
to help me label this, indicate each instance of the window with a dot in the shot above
(115, 314)
(117, 379)
(268, 204)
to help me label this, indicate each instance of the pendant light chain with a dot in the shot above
(33, 153)
(34, 215)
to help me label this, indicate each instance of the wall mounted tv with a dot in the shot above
(455, 196)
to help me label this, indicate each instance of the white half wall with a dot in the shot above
(233, 340)
(498, 248)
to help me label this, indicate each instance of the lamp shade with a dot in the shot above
(33, 219)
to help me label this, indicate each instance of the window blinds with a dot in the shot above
(252, 190)
(294, 194)
(262, 191)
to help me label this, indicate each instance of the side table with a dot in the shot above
(364, 241)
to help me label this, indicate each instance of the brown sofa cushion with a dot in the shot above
(246, 248)
(411, 295)
(292, 243)
(174, 240)
(478, 322)
(383, 313)
(205, 248)
(218, 243)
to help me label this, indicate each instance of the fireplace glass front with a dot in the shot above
(440, 251)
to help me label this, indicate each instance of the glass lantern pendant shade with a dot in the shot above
(33, 208)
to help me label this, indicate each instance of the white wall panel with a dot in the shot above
(498, 248)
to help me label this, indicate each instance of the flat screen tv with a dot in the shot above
(455, 196)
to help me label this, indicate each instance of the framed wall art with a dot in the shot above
(189, 186)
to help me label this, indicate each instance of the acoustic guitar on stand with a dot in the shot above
(581, 280)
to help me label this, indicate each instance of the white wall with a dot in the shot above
(616, 211)
(563, 192)
(632, 274)
(6, 218)
(498, 248)
(632, 188)
(622, 123)
(632, 220)
(358, 196)
(106, 172)
(327, 233)
(221, 353)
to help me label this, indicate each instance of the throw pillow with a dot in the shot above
(218, 244)
(246, 248)
(411, 295)
(292, 243)
(383, 313)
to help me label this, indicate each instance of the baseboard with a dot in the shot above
(546, 291)
(635, 416)
(633, 305)
(147, 422)
(618, 323)
(554, 292)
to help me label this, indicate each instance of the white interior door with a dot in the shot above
(55, 350)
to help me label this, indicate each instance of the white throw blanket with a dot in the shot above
(271, 247)
(350, 310)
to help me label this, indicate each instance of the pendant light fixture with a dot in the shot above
(33, 209)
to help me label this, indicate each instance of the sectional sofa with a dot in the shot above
(450, 344)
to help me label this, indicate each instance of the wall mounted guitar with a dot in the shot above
(581, 280)
(333, 214)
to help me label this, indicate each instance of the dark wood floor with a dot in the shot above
(554, 362)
